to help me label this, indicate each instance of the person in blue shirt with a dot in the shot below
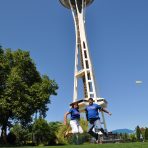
(93, 118)
(74, 119)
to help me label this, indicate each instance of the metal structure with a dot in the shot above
(83, 65)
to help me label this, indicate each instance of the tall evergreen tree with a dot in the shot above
(138, 132)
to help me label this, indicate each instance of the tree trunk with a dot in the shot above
(4, 134)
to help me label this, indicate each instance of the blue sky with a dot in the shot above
(117, 32)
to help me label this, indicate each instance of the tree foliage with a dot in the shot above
(133, 137)
(23, 91)
(44, 132)
(146, 134)
(54, 128)
(60, 134)
(21, 133)
(41, 131)
(138, 133)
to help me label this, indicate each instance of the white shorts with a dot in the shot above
(96, 125)
(76, 128)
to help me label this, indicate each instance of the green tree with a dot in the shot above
(41, 131)
(22, 133)
(138, 132)
(146, 134)
(23, 91)
(54, 128)
(133, 137)
(60, 134)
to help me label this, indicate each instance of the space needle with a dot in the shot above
(83, 65)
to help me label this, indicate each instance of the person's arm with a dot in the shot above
(106, 111)
(65, 117)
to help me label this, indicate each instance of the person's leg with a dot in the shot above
(80, 129)
(74, 126)
(75, 130)
(91, 132)
(99, 128)
(97, 125)
(104, 133)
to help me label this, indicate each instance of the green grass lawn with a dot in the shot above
(116, 145)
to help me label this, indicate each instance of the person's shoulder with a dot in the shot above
(71, 109)
(94, 104)
(97, 105)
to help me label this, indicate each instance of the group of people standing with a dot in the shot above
(92, 116)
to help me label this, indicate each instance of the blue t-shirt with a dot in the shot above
(75, 114)
(92, 111)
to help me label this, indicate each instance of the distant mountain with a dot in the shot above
(123, 131)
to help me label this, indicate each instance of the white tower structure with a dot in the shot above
(83, 64)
